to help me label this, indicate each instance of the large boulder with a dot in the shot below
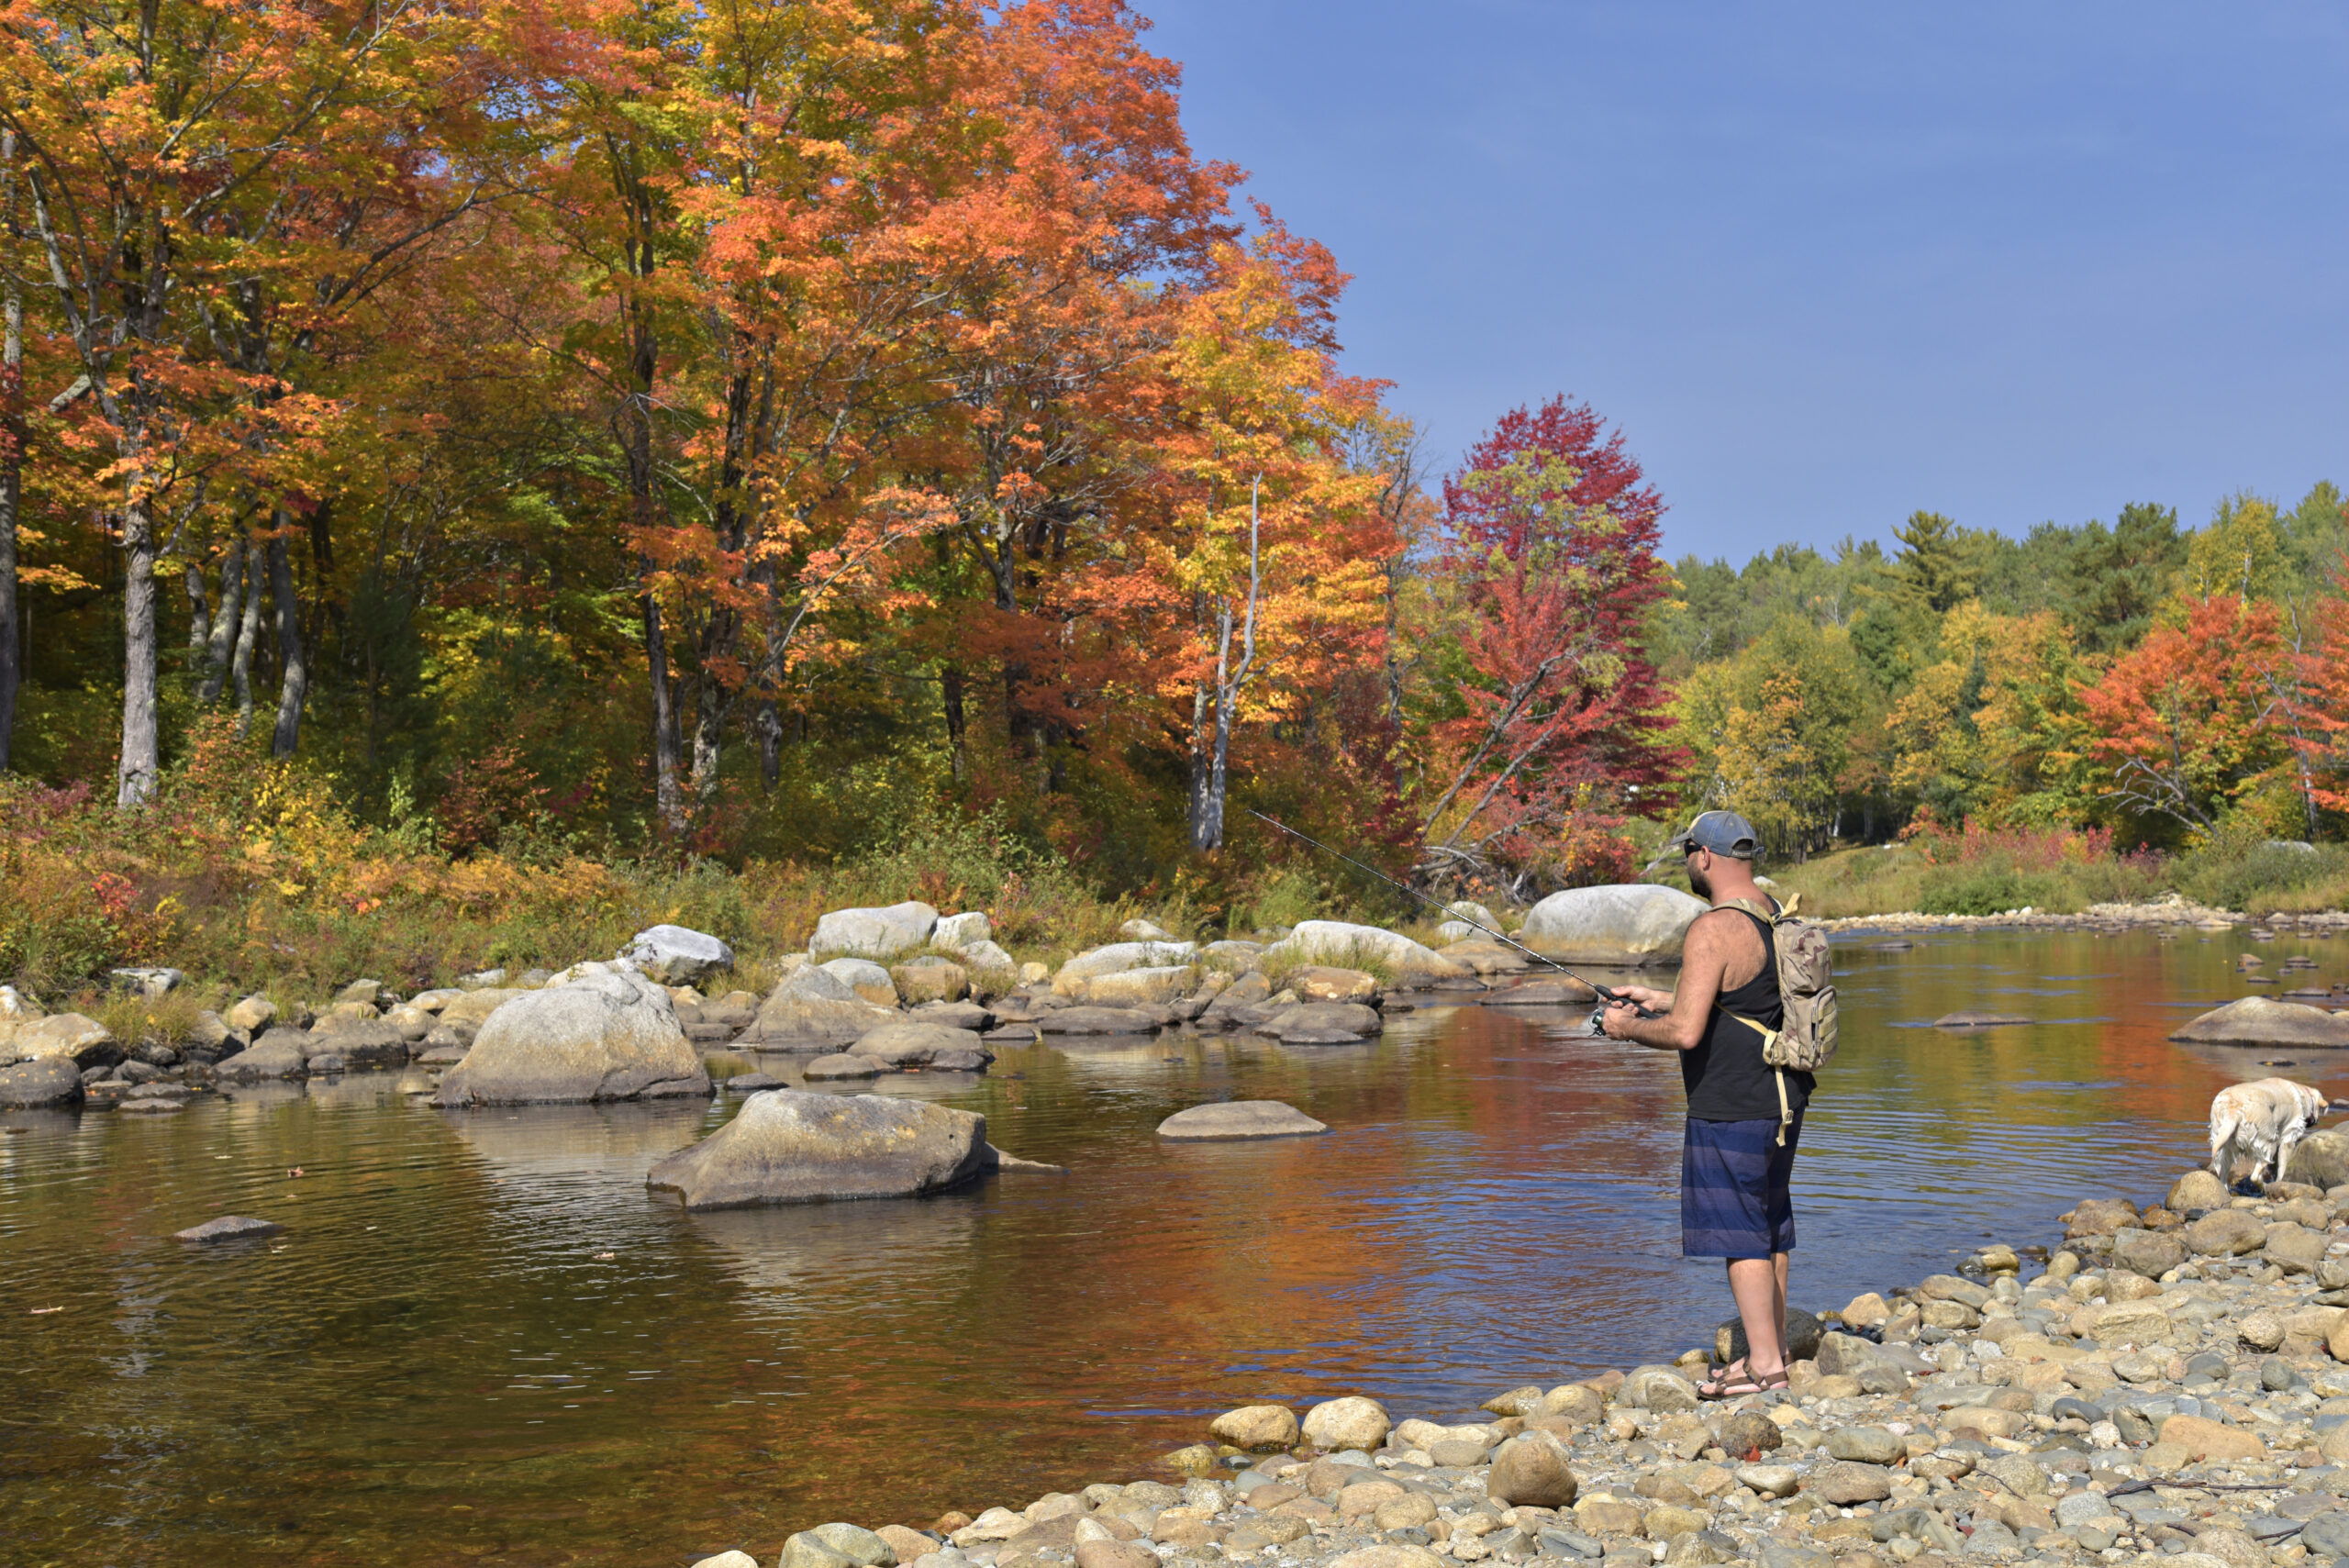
(369, 1042)
(1322, 1023)
(1139, 987)
(884, 933)
(790, 1146)
(1116, 959)
(1629, 926)
(929, 978)
(915, 1045)
(85, 1042)
(677, 955)
(866, 978)
(613, 1035)
(475, 1006)
(281, 1054)
(46, 1082)
(1347, 946)
(2322, 1159)
(962, 931)
(1099, 1020)
(1231, 1119)
(812, 1009)
(2257, 1020)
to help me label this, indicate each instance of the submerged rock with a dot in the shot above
(791, 1146)
(1978, 1019)
(1233, 1119)
(1631, 926)
(613, 1035)
(228, 1227)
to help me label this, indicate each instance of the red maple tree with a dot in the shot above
(1553, 539)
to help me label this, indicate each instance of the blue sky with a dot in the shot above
(1826, 264)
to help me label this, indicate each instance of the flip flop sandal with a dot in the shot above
(1723, 1385)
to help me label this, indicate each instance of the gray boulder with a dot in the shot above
(1628, 926)
(81, 1040)
(867, 979)
(604, 1037)
(2257, 1020)
(281, 1054)
(46, 1082)
(369, 1043)
(1348, 946)
(883, 933)
(677, 955)
(836, 1546)
(962, 931)
(1116, 959)
(150, 982)
(813, 1010)
(829, 1068)
(923, 1045)
(1322, 1023)
(1233, 1119)
(790, 1146)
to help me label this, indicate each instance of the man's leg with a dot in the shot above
(1759, 1285)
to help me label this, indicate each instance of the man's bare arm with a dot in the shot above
(1702, 963)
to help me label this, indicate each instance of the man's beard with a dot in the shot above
(1699, 883)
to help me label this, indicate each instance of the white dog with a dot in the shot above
(2261, 1122)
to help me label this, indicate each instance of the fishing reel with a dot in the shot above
(1609, 998)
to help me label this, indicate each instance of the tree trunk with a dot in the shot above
(667, 800)
(141, 749)
(222, 643)
(294, 681)
(248, 640)
(11, 458)
(710, 706)
(950, 682)
(199, 620)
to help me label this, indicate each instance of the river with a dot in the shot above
(478, 1339)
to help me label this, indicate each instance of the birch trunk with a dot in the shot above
(293, 684)
(142, 751)
(248, 638)
(221, 645)
(11, 458)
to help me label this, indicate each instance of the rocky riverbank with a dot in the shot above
(2171, 913)
(2167, 1387)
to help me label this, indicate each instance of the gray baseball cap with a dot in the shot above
(1723, 832)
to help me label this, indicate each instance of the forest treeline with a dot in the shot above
(561, 431)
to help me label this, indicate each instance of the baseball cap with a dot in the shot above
(1723, 832)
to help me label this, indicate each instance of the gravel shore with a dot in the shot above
(2171, 912)
(2167, 1387)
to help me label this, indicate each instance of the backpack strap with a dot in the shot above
(1769, 917)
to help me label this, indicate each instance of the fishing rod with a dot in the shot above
(1605, 995)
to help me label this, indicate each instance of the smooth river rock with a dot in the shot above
(877, 933)
(791, 1146)
(48, 1082)
(72, 1037)
(2258, 1020)
(1233, 1119)
(924, 1045)
(1633, 926)
(1070, 979)
(1348, 946)
(1350, 1422)
(1533, 1468)
(677, 955)
(228, 1228)
(814, 1008)
(610, 1035)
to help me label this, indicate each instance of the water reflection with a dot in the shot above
(480, 1339)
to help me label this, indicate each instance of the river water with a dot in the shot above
(478, 1339)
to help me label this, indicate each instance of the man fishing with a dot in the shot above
(1744, 1118)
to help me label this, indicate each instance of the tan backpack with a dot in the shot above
(1803, 1041)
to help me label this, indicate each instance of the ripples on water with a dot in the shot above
(479, 1340)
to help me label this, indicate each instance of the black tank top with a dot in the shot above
(1724, 1073)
